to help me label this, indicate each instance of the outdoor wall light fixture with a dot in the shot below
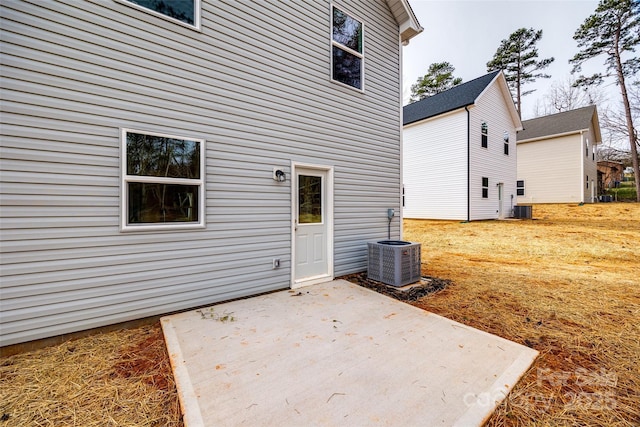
(279, 175)
(505, 136)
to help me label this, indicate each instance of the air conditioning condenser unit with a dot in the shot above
(394, 262)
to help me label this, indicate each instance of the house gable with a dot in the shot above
(457, 97)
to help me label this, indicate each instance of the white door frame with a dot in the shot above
(329, 220)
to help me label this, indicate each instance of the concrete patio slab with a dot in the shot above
(336, 354)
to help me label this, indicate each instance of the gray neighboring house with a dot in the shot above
(557, 157)
(159, 160)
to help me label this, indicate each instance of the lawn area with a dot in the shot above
(626, 191)
(566, 283)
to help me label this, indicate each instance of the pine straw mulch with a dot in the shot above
(120, 378)
(565, 284)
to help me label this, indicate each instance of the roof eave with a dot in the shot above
(406, 19)
(555, 135)
(443, 113)
(595, 122)
(508, 100)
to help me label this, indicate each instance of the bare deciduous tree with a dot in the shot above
(563, 95)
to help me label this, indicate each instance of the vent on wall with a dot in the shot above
(394, 262)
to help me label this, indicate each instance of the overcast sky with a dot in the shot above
(467, 33)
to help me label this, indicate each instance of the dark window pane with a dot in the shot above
(150, 155)
(520, 191)
(309, 199)
(346, 68)
(485, 193)
(159, 203)
(182, 10)
(506, 149)
(485, 142)
(347, 31)
(520, 183)
(485, 182)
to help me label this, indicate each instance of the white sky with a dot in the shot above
(467, 33)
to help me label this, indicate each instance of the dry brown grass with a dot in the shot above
(566, 284)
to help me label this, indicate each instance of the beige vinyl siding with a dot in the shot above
(491, 162)
(254, 83)
(552, 170)
(435, 167)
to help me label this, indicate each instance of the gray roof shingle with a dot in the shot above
(559, 123)
(457, 97)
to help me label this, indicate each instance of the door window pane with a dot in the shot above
(309, 199)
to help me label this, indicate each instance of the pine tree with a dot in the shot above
(439, 78)
(613, 31)
(517, 58)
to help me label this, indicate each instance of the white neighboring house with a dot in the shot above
(557, 160)
(459, 156)
(141, 148)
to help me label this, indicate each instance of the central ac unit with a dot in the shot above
(394, 262)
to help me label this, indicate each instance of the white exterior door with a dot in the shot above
(312, 235)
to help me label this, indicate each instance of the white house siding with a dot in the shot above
(434, 167)
(590, 168)
(491, 162)
(254, 83)
(561, 180)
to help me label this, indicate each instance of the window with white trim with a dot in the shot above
(484, 131)
(485, 188)
(186, 12)
(162, 181)
(520, 187)
(505, 138)
(347, 53)
(586, 147)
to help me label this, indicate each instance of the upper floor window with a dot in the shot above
(183, 11)
(485, 134)
(347, 55)
(162, 181)
(586, 147)
(505, 137)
